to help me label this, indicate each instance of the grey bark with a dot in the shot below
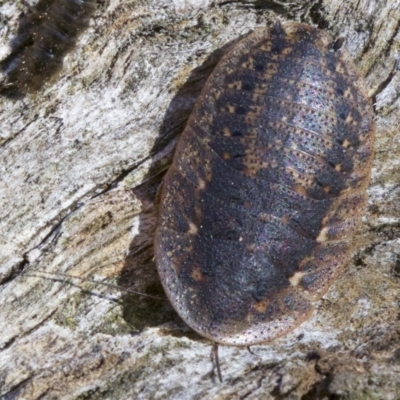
(80, 164)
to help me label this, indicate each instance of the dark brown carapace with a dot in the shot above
(267, 187)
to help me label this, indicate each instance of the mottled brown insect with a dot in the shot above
(267, 186)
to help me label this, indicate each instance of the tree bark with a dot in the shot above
(81, 161)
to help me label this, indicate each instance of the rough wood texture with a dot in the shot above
(80, 165)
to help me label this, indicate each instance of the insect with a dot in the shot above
(45, 35)
(267, 186)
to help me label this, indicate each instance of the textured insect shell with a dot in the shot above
(267, 186)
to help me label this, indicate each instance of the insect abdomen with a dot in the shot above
(267, 186)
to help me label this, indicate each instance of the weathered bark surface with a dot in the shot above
(79, 167)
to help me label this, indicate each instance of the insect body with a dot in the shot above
(267, 186)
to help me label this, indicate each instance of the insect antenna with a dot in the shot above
(110, 285)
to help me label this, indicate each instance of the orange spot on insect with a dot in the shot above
(349, 119)
(300, 190)
(261, 306)
(296, 278)
(193, 230)
(346, 144)
(227, 132)
(323, 235)
(287, 50)
(326, 189)
(196, 274)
